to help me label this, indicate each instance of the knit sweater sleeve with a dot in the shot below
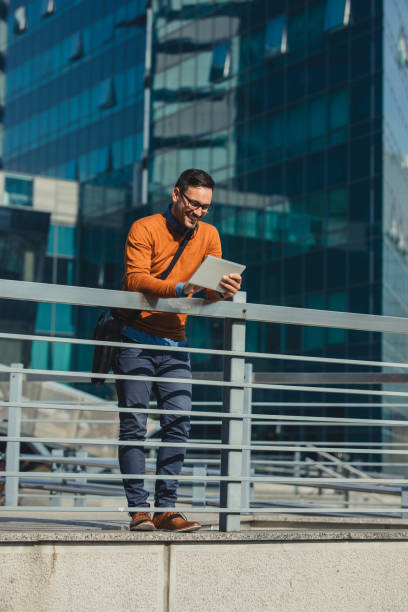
(138, 257)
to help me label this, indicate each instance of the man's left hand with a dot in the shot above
(230, 285)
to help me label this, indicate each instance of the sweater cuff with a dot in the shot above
(180, 290)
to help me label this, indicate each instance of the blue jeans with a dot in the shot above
(174, 427)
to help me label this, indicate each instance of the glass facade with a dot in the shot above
(296, 109)
(395, 182)
(38, 218)
(282, 102)
(3, 49)
(75, 103)
(74, 86)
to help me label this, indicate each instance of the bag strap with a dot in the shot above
(177, 255)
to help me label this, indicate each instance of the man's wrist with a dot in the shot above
(180, 290)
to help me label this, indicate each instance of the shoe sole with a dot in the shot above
(143, 527)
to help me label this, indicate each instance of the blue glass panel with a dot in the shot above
(274, 36)
(18, 192)
(220, 65)
(66, 240)
(39, 355)
(61, 240)
(317, 117)
(43, 318)
(63, 319)
(61, 357)
(297, 30)
(335, 14)
(339, 109)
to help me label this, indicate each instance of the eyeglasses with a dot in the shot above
(194, 204)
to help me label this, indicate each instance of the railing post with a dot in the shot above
(231, 431)
(246, 439)
(55, 496)
(296, 470)
(198, 496)
(80, 498)
(404, 502)
(13, 430)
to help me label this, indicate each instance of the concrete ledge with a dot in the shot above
(255, 536)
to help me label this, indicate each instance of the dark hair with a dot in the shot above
(194, 178)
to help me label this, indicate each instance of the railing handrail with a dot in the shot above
(236, 473)
(108, 298)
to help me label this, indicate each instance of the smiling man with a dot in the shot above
(162, 252)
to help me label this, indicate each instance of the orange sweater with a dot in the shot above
(150, 247)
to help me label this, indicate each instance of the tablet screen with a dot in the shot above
(210, 272)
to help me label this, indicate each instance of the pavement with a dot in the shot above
(113, 527)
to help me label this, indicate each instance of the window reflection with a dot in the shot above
(275, 36)
(337, 14)
(20, 20)
(18, 192)
(221, 62)
(48, 7)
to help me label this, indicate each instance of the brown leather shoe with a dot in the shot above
(174, 521)
(141, 521)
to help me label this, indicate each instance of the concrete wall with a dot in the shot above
(192, 577)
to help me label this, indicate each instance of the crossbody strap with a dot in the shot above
(177, 255)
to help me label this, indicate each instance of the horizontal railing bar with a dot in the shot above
(259, 378)
(114, 463)
(158, 411)
(212, 383)
(103, 298)
(69, 477)
(150, 443)
(278, 445)
(109, 407)
(321, 404)
(212, 352)
(195, 509)
(73, 421)
(285, 420)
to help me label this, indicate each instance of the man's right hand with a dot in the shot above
(191, 289)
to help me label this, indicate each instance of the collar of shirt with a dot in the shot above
(172, 221)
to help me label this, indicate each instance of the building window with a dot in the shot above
(47, 8)
(221, 62)
(18, 191)
(337, 14)
(76, 47)
(275, 36)
(20, 20)
(108, 94)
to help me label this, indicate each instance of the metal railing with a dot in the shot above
(238, 453)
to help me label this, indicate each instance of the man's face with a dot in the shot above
(191, 205)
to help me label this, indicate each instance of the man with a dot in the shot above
(151, 268)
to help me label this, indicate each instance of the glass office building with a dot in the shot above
(296, 107)
(38, 219)
(395, 183)
(282, 102)
(3, 49)
(75, 99)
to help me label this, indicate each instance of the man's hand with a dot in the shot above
(230, 285)
(191, 289)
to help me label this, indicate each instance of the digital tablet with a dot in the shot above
(210, 272)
